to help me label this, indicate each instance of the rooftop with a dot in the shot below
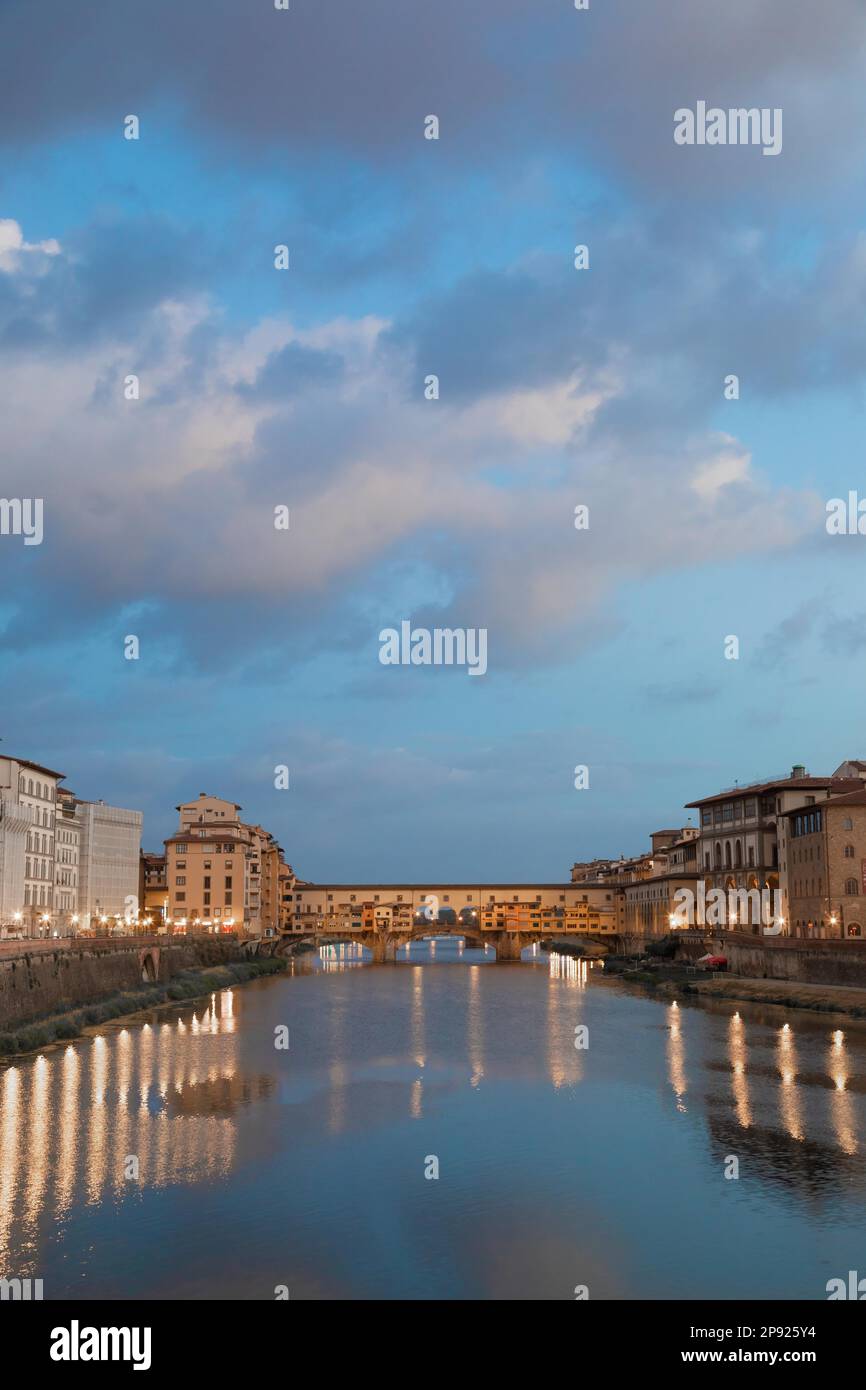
(781, 784)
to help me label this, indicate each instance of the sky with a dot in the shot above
(261, 388)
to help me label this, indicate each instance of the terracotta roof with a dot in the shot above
(784, 784)
(436, 883)
(36, 767)
(845, 799)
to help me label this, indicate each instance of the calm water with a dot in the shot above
(557, 1167)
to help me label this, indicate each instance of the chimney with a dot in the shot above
(798, 770)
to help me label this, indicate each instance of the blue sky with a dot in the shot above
(305, 388)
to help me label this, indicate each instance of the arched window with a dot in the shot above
(847, 823)
(727, 854)
(718, 855)
(738, 854)
(852, 887)
(849, 851)
(751, 856)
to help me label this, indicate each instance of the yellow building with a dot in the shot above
(222, 874)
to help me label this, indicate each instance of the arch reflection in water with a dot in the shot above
(342, 955)
(72, 1120)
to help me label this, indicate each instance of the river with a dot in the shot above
(184, 1154)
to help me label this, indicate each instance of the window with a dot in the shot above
(180, 849)
(847, 823)
(849, 851)
(706, 816)
(207, 880)
(228, 883)
(180, 880)
(180, 897)
(851, 888)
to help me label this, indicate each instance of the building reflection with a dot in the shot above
(676, 1055)
(155, 1105)
(568, 976)
(146, 1106)
(786, 1099)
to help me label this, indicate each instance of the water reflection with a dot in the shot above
(676, 1056)
(90, 1119)
(166, 1103)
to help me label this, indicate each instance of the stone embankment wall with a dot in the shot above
(789, 958)
(39, 982)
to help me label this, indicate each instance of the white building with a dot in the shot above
(108, 862)
(28, 793)
(67, 850)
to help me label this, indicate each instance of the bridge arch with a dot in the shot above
(149, 967)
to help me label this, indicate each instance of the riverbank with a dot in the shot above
(819, 998)
(185, 986)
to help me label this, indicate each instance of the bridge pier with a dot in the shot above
(378, 945)
(509, 944)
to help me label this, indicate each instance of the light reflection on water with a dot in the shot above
(187, 1156)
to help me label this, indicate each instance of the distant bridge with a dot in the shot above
(384, 942)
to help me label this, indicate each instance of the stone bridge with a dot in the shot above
(383, 944)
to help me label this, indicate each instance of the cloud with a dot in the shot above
(13, 247)
(170, 499)
(515, 76)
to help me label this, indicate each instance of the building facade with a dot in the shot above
(29, 795)
(108, 864)
(222, 874)
(826, 867)
(152, 889)
(67, 850)
(322, 906)
(743, 830)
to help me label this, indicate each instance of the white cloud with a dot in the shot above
(13, 247)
